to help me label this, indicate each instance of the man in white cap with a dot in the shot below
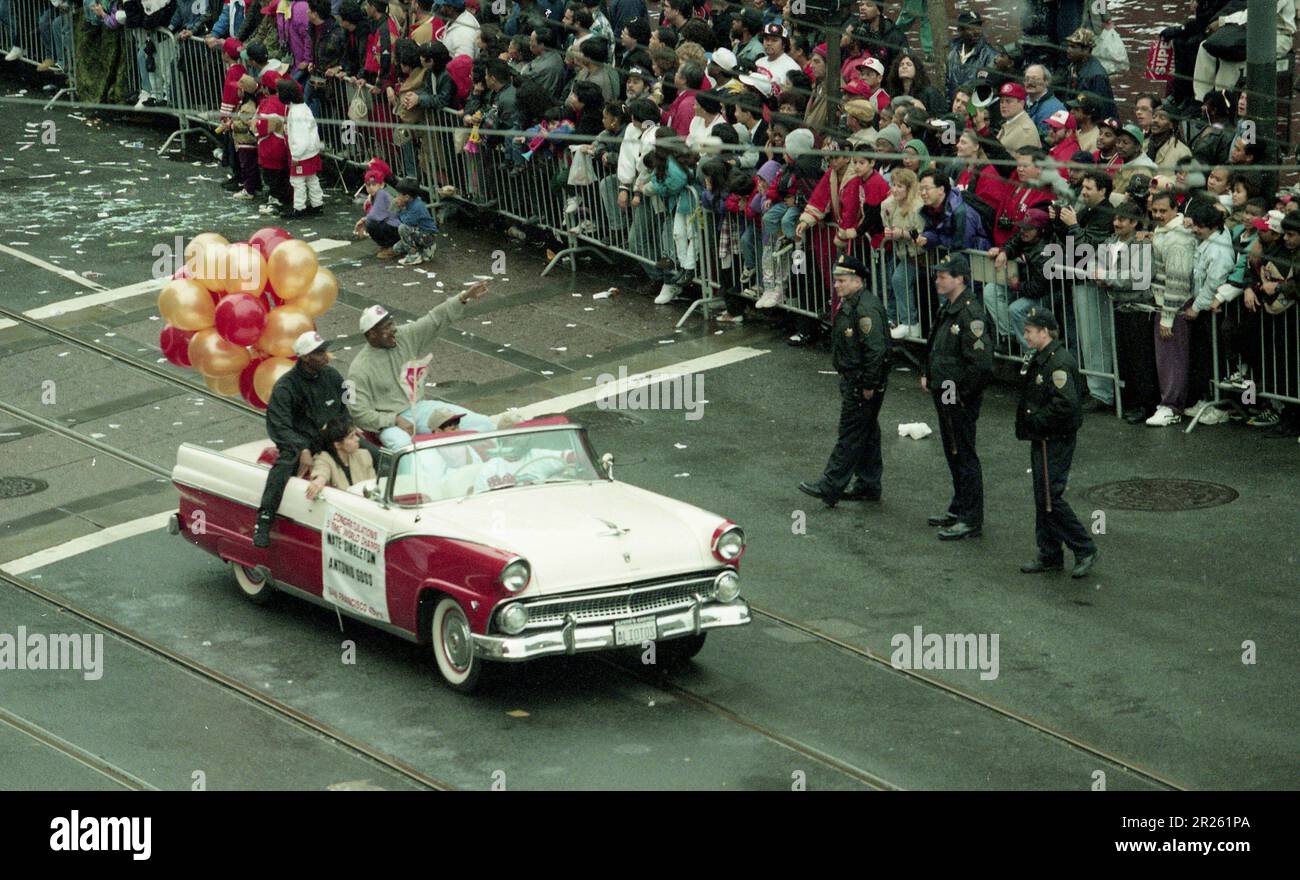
(776, 43)
(302, 401)
(387, 376)
(722, 69)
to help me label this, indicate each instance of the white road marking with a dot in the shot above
(566, 402)
(87, 543)
(50, 267)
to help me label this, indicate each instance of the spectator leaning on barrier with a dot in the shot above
(903, 224)
(1027, 288)
(950, 223)
(293, 28)
(352, 19)
(1214, 261)
(1135, 358)
(1089, 227)
(380, 67)
(1173, 256)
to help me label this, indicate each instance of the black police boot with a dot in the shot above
(943, 519)
(959, 530)
(816, 491)
(858, 491)
(1040, 566)
(262, 531)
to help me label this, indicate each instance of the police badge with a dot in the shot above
(956, 328)
(977, 328)
(864, 324)
(1059, 378)
(1038, 379)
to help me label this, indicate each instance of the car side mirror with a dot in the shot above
(607, 462)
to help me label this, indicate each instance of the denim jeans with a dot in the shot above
(1096, 342)
(418, 415)
(56, 36)
(8, 30)
(901, 307)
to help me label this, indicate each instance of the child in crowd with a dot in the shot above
(304, 150)
(272, 148)
(786, 197)
(901, 216)
(381, 222)
(416, 227)
(669, 181)
(243, 128)
(235, 71)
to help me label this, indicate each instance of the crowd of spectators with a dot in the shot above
(1019, 151)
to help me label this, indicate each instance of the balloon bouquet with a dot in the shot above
(233, 311)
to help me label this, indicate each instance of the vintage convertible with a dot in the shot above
(499, 546)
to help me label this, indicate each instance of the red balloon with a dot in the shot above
(268, 239)
(216, 296)
(240, 318)
(182, 272)
(175, 345)
(246, 388)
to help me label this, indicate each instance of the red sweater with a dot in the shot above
(1017, 203)
(230, 90)
(272, 148)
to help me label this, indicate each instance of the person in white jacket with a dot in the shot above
(643, 239)
(1173, 257)
(304, 150)
(461, 35)
(1214, 73)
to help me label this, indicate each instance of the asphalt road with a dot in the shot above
(1142, 660)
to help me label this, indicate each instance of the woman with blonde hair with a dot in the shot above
(901, 215)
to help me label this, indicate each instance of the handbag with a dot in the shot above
(580, 170)
(359, 106)
(1228, 43)
(1160, 60)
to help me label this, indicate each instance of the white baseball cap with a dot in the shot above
(725, 59)
(759, 79)
(874, 64)
(372, 316)
(309, 342)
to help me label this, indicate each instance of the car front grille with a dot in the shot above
(631, 601)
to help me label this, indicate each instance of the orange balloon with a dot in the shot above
(283, 326)
(203, 241)
(187, 305)
(320, 297)
(207, 266)
(245, 270)
(226, 386)
(292, 267)
(213, 356)
(268, 372)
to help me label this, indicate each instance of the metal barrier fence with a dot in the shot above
(44, 32)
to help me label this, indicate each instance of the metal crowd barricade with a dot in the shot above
(44, 31)
(1256, 355)
(196, 90)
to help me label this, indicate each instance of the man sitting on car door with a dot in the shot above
(387, 376)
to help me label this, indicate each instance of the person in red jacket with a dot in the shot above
(1062, 140)
(272, 149)
(836, 202)
(230, 97)
(1029, 192)
(868, 190)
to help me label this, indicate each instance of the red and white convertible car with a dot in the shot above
(500, 546)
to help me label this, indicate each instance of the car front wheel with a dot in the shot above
(254, 583)
(453, 646)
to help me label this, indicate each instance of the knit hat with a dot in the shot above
(922, 151)
(799, 141)
(892, 135)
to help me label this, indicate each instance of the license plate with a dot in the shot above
(634, 632)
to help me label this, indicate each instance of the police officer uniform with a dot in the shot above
(858, 353)
(958, 366)
(1048, 414)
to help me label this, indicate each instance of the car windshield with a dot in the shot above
(477, 465)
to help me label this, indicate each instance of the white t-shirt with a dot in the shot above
(782, 67)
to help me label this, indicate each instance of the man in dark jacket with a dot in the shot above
(302, 401)
(881, 36)
(1048, 415)
(969, 55)
(1085, 75)
(858, 354)
(958, 366)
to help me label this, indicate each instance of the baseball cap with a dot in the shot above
(1039, 317)
(640, 73)
(1086, 103)
(1134, 132)
(256, 53)
(970, 18)
(1062, 119)
(232, 47)
(372, 317)
(725, 59)
(270, 78)
(760, 80)
(309, 342)
(1083, 158)
(1291, 222)
(1272, 221)
(874, 64)
(956, 264)
(1082, 37)
(774, 30)
(1035, 218)
(1012, 90)
(1112, 123)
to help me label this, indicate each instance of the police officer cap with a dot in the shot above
(1039, 317)
(956, 264)
(847, 265)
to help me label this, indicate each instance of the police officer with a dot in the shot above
(302, 401)
(858, 349)
(1048, 415)
(958, 366)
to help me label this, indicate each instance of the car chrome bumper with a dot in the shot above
(572, 638)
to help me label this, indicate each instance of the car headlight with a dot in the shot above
(728, 545)
(726, 586)
(514, 618)
(515, 576)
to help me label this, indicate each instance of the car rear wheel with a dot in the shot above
(254, 583)
(675, 652)
(453, 646)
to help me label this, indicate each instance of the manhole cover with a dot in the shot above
(606, 418)
(1161, 495)
(17, 487)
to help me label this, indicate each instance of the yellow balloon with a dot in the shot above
(268, 372)
(202, 241)
(245, 270)
(213, 356)
(283, 326)
(186, 305)
(292, 267)
(208, 267)
(226, 386)
(320, 297)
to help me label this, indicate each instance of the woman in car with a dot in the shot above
(344, 462)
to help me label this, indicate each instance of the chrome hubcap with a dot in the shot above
(456, 640)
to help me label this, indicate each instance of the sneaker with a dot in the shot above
(571, 206)
(313, 210)
(429, 252)
(216, 154)
(232, 185)
(799, 339)
(667, 293)
(769, 299)
(1195, 409)
(143, 100)
(411, 259)
(746, 276)
(517, 234)
(898, 331)
(14, 54)
(1163, 417)
(244, 196)
(447, 191)
(914, 331)
(1265, 418)
(45, 65)
(728, 318)
(1212, 415)
(267, 209)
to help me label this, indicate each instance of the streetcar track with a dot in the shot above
(783, 620)
(53, 741)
